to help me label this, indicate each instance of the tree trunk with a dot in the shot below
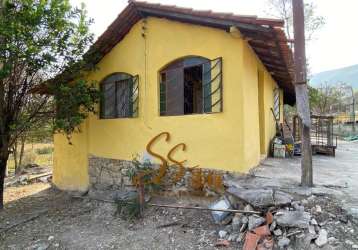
(3, 163)
(22, 150)
(19, 157)
(14, 155)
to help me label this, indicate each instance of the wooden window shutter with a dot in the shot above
(175, 92)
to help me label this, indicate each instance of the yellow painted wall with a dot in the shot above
(251, 108)
(227, 140)
(270, 125)
(258, 101)
(262, 113)
(70, 162)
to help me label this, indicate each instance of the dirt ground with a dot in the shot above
(39, 217)
(71, 223)
(50, 219)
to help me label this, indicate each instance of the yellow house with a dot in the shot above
(215, 81)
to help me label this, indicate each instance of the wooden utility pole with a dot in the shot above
(301, 89)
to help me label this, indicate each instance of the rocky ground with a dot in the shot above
(63, 222)
(334, 175)
(50, 219)
(39, 217)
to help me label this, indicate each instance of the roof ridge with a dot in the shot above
(265, 36)
(274, 21)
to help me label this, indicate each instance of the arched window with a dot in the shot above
(191, 85)
(120, 96)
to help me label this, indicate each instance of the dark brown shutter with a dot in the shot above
(175, 92)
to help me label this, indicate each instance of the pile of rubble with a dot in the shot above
(272, 220)
(30, 174)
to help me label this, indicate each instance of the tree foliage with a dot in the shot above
(283, 9)
(73, 103)
(41, 39)
(324, 98)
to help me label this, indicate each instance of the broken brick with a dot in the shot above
(262, 231)
(269, 218)
(251, 241)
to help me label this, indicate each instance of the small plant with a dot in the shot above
(128, 209)
(145, 172)
(140, 173)
(44, 151)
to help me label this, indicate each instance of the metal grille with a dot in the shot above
(175, 95)
(321, 130)
(276, 104)
(120, 96)
(134, 101)
(212, 86)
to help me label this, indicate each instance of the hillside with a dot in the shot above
(348, 75)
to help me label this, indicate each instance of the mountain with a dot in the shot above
(348, 75)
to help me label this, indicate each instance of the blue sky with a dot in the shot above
(336, 44)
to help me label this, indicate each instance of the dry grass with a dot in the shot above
(32, 155)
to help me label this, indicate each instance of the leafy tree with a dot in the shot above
(38, 40)
(283, 9)
(313, 23)
(324, 98)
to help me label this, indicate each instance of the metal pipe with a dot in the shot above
(179, 207)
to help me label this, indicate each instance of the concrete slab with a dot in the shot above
(332, 175)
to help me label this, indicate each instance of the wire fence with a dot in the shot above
(345, 126)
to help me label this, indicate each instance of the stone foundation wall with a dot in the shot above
(110, 176)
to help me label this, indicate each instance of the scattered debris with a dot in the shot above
(277, 232)
(40, 246)
(260, 198)
(292, 218)
(255, 221)
(251, 241)
(262, 230)
(269, 218)
(222, 243)
(322, 238)
(283, 242)
(171, 224)
(349, 242)
(37, 174)
(237, 222)
(220, 215)
(233, 237)
(266, 244)
(233, 232)
(222, 234)
(314, 222)
(318, 209)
